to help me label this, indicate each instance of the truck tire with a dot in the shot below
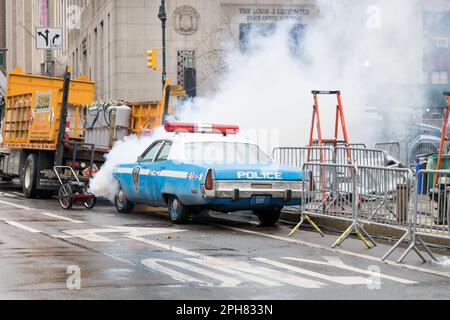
(123, 205)
(179, 213)
(268, 217)
(29, 177)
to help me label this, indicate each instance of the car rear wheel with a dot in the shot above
(123, 205)
(268, 217)
(179, 213)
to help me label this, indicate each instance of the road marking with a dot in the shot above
(21, 226)
(337, 263)
(92, 235)
(16, 205)
(225, 282)
(51, 215)
(154, 264)
(349, 281)
(43, 213)
(238, 266)
(349, 253)
(224, 267)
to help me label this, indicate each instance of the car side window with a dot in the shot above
(150, 154)
(164, 153)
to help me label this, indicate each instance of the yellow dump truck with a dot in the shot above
(45, 124)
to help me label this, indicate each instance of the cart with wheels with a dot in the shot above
(72, 190)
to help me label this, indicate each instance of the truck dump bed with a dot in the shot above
(32, 110)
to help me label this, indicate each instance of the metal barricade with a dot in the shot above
(432, 203)
(391, 148)
(335, 195)
(297, 157)
(385, 195)
(358, 145)
(360, 157)
(430, 213)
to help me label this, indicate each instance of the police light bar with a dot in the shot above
(201, 128)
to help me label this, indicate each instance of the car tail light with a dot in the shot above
(209, 181)
(201, 128)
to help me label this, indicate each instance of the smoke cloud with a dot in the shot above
(366, 49)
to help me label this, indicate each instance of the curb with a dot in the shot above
(341, 225)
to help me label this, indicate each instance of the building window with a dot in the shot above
(439, 77)
(2, 60)
(440, 42)
(186, 71)
(185, 59)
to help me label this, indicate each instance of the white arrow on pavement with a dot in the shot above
(93, 235)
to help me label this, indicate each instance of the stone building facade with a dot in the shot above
(108, 39)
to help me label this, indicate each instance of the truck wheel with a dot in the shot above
(179, 213)
(29, 177)
(268, 217)
(123, 205)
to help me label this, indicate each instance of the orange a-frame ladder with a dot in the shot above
(317, 124)
(444, 131)
(340, 119)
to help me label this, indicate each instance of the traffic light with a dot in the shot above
(152, 59)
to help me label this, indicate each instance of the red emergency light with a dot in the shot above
(201, 128)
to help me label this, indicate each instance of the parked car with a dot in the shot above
(208, 167)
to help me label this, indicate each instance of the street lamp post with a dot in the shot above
(163, 17)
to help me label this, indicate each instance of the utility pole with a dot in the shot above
(163, 17)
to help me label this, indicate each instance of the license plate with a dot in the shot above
(260, 200)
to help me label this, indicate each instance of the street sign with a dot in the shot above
(49, 38)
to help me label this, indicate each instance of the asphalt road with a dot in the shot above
(48, 253)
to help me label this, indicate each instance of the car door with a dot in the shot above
(161, 164)
(142, 176)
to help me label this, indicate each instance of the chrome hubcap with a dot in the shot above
(27, 177)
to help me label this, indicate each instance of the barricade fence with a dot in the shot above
(360, 156)
(335, 194)
(391, 148)
(297, 157)
(385, 195)
(390, 197)
(432, 203)
(335, 186)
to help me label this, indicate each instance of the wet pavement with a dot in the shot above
(48, 253)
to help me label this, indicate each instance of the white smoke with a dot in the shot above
(366, 49)
(124, 151)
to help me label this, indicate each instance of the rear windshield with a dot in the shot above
(225, 152)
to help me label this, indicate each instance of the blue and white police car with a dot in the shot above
(207, 167)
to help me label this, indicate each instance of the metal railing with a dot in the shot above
(430, 213)
(390, 197)
(297, 157)
(360, 156)
(385, 195)
(391, 148)
(432, 203)
(336, 194)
